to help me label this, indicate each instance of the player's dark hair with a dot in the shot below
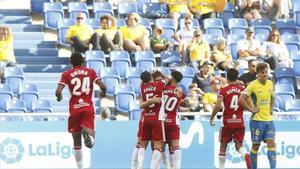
(177, 75)
(104, 17)
(261, 67)
(76, 59)
(156, 74)
(232, 74)
(146, 77)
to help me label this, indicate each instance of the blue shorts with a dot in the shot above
(262, 130)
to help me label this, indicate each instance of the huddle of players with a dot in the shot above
(160, 100)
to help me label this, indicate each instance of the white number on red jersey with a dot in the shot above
(148, 96)
(84, 85)
(170, 103)
(234, 104)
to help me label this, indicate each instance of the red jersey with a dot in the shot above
(149, 90)
(171, 103)
(233, 112)
(80, 82)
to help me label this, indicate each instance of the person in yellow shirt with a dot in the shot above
(258, 98)
(202, 8)
(107, 38)
(199, 51)
(178, 8)
(7, 57)
(221, 56)
(135, 35)
(210, 98)
(79, 35)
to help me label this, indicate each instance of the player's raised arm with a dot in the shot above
(102, 87)
(58, 91)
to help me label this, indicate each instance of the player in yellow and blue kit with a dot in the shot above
(258, 98)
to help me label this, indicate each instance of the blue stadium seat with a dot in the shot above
(188, 75)
(170, 57)
(292, 42)
(262, 26)
(53, 12)
(76, 7)
(29, 93)
(95, 59)
(141, 6)
(15, 106)
(124, 94)
(228, 13)
(134, 110)
(284, 92)
(292, 105)
(164, 70)
(102, 8)
(214, 26)
(296, 60)
(146, 23)
(261, 37)
(276, 106)
(195, 22)
(14, 76)
(165, 23)
(286, 26)
(286, 75)
(110, 77)
(121, 22)
(125, 8)
(153, 7)
(232, 40)
(210, 39)
(133, 77)
(94, 23)
(63, 26)
(6, 93)
(41, 106)
(296, 13)
(120, 60)
(237, 26)
(145, 60)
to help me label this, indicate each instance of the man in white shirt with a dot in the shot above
(248, 48)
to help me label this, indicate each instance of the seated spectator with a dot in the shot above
(177, 9)
(158, 43)
(135, 35)
(248, 48)
(202, 9)
(248, 77)
(221, 56)
(199, 51)
(7, 56)
(251, 9)
(79, 35)
(107, 38)
(275, 51)
(204, 76)
(278, 9)
(209, 99)
(183, 37)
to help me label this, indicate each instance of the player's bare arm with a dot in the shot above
(153, 100)
(216, 109)
(58, 92)
(246, 102)
(102, 87)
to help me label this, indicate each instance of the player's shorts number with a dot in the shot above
(234, 102)
(85, 86)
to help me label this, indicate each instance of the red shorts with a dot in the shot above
(152, 129)
(172, 131)
(81, 119)
(229, 133)
(139, 134)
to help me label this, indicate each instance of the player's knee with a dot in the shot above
(77, 147)
(222, 153)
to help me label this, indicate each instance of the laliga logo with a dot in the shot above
(186, 139)
(11, 150)
(233, 155)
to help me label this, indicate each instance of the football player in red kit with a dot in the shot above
(233, 122)
(80, 81)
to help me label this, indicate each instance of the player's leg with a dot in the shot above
(134, 155)
(156, 155)
(238, 137)
(77, 149)
(256, 128)
(157, 133)
(177, 153)
(87, 124)
(145, 137)
(164, 156)
(222, 155)
(269, 138)
(225, 138)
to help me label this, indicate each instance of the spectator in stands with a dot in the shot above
(248, 48)
(79, 35)
(199, 51)
(158, 43)
(209, 99)
(204, 76)
(7, 56)
(278, 9)
(248, 77)
(135, 35)
(251, 9)
(221, 56)
(202, 9)
(177, 9)
(107, 38)
(183, 37)
(275, 51)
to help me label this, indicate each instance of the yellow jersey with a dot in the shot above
(178, 6)
(133, 33)
(261, 96)
(111, 32)
(83, 32)
(210, 98)
(199, 51)
(203, 9)
(6, 49)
